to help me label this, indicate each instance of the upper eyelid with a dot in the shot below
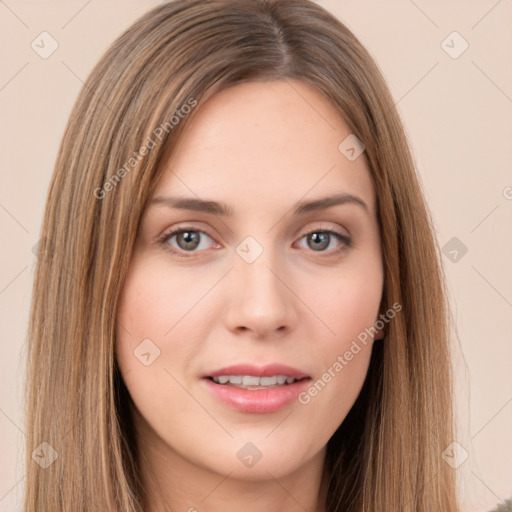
(188, 227)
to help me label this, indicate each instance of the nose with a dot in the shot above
(260, 299)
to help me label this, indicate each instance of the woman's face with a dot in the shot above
(262, 286)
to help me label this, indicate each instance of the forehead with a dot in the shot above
(258, 142)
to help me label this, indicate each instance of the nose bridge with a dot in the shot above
(261, 301)
(256, 268)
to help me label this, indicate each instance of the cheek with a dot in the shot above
(348, 307)
(154, 303)
(145, 314)
(347, 303)
(148, 310)
(157, 327)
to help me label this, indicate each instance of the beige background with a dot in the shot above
(458, 115)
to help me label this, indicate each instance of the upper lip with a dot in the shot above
(268, 370)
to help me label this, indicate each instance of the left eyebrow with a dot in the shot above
(218, 208)
(327, 202)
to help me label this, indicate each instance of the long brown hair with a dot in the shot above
(386, 455)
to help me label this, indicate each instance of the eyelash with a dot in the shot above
(346, 241)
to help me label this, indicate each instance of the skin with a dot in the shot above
(259, 147)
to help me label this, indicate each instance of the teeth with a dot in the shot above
(251, 380)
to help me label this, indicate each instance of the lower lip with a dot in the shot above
(257, 401)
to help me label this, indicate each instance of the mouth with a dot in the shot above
(250, 389)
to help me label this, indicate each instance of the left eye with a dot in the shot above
(321, 239)
(189, 239)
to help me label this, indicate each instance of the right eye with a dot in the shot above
(187, 239)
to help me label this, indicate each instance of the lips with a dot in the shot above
(251, 389)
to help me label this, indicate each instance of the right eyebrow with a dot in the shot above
(194, 204)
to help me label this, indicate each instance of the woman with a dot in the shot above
(239, 299)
